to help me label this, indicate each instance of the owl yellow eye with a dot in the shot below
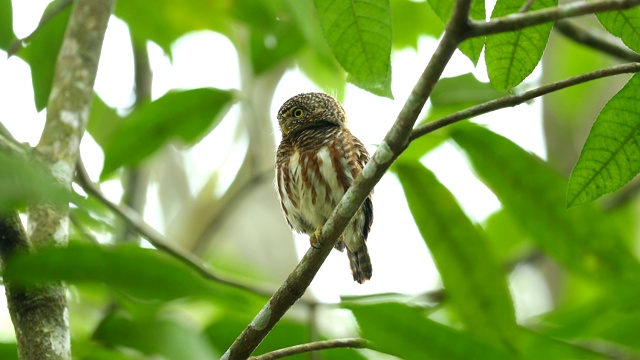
(297, 112)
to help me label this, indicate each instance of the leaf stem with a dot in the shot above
(513, 100)
(313, 346)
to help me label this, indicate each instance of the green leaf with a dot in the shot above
(167, 20)
(103, 121)
(324, 72)
(473, 279)
(580, 239)
(42, 53)
(506, 237)
(612, 317)
(624, 24)
(411, 20)
(472, 48)
(156, 336)
(6, 24)
(405, 332)
(23, 181)
(463, 89)
(611, 155)
(513, 55)
(8, 351)
(185, 115)
(142, 273)
(270, 48)
(359, 33)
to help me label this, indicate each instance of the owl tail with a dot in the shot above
(360, 263)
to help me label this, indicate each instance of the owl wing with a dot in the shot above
(362, 158)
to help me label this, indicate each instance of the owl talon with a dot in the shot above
(316, 238)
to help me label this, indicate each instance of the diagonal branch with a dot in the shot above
(519, 21)
(513, 100)
(313, 346)
(137, 224)
(596, 41)
(390, 148)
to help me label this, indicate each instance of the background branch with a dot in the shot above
(39, 314)
(513, 100)
(313, 346)
(519, 21)
(393, 144)
(595, 40)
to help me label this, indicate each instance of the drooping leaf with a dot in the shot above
(463, 89)
(411, 20)
(184, 115)
(580, 239)
(359, 33)
(473, 279)
(42, 53)
(405, 332)
(143, 273)
(513, 55)
(22, 182)
(472, 48)
(154, 336)
(611, 155)
(6, 24)
(624, 24)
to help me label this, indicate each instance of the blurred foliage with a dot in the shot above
(131, 302)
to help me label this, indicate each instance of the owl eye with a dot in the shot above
(297, 113)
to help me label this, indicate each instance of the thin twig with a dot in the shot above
(313, 346)
(594, 40)
(153, 236)
(513, 100)
(519, 21)
(390, 148)
(526, 6)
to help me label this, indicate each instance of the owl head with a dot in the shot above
(310, 110)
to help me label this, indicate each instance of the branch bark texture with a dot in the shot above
(39, 314)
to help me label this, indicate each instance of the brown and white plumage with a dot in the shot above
(316, 162)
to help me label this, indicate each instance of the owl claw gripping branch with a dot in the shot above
(317, 161)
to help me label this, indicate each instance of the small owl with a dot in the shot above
(317, 161)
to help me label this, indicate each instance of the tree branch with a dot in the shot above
(596, 41)
(513, 100)
(40, 313)
(136, 223)
(313, 346)
(390, 148)
(519, 21)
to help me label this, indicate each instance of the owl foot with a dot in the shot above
(316, 238)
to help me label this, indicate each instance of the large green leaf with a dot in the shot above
(411, 20)
(6, 24)
(184, 115)
(8, 351)
(580, 239)
(611, 155)
(405, 332)
(513, 55)
(472, 48)
(22, 182)
(473, 279)
(624, 24)
(42, 53)
(359, 33)
(154, 336)
(142, 273)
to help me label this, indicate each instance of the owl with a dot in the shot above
(316, 162)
